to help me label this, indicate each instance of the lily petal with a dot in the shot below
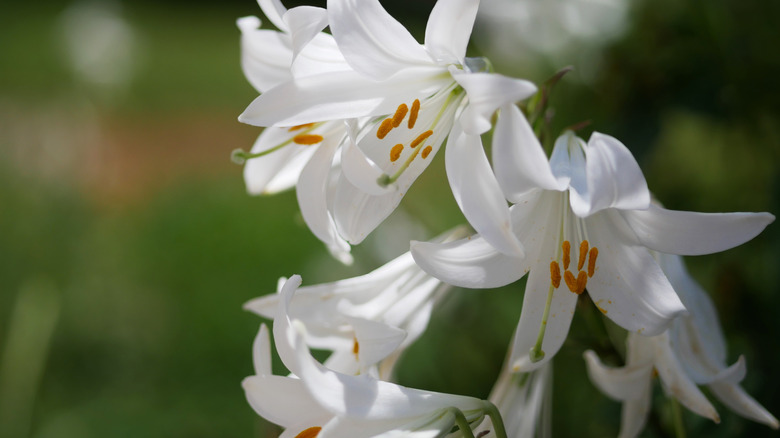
(261, 352)
(373, 42)
(282, 400)
(677, 383)
(628, 285)
(614, 178)
(486, 93)
(518, 159)
(477, 192)
(360, 170)
(312, 191)
(304, 23)
(274, 11)
(339, 95)
(265, 54)
(472, 263)
(691, 233)
(449, 29)
(630, 382)
(739, 401)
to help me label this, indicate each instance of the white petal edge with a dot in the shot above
(477, 192)
(449, 29)
(372, 41)
(486, 93)
(691, 233)
(519, 161)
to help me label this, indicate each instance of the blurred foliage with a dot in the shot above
(123, 200)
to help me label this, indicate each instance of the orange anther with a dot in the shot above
(582, 281)
(297, 127)
(571, 282)
(307, 139)
(399, 115)
(395, 152)
(355, 347)
(420, 138)
(566, 254)
(309, 433)
(555, 274)
(413, 114)
(426, 152)
(594, 253)
(583, 254)
(384, 128)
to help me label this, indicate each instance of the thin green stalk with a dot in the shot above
(495, 417)
(463, 423)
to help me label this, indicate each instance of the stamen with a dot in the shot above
(399, 115)
(555, 274)
(571, 282)
(309, 433)
(420, 138)
(426, 152)
(413, 114)
(582, 281)
(307, 139)
(384, 128)
(297, 127)
(583, 254)
(566, 254)
(395, 152)
(355, 347)
(594, 252)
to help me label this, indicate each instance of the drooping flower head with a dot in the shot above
(586, 222)
(340, 405)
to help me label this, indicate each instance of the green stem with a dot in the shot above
(495, 417)
(679, 426)
(463, 423)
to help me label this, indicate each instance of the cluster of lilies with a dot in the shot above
(352, 117)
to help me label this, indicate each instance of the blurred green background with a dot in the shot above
(128, 244)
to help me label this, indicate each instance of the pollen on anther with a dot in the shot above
(309, 433)
(297, 127)
(420, 138)
(571, 282)
(399, 115)
(307, 139)
(395, 152)
(555, 274)
(582, 281)
(426, 152)
(384, 128)
(583, 254)
(566, 254)
(413, 113)
(355, 347)
(594, 253)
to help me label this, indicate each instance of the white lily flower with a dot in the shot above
(354, 406)
(692, 352)
(632, 384)
(299, 156)
(415, 93)
(590, 200)
(391, 304)
(699, 344)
